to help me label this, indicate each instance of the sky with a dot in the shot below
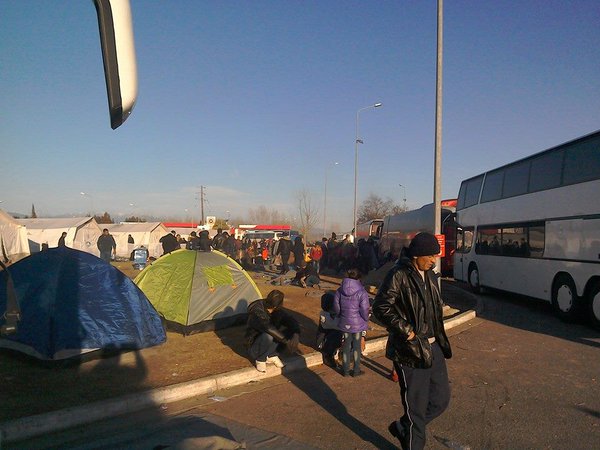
(257, 100)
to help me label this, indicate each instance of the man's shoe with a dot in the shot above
(394, 376)
(400, 435)
(393, 429)
(275, 360)
(357, 373)
(261, 366)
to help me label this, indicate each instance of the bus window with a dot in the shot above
(464, 239)
(516, 179)
(536, 241)
(488, 241)
(582, 162)
(492, 188)
(514, 241)
(472, 191)
(546, 171)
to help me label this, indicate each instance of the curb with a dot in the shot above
(29, 427)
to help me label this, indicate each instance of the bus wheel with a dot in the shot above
(594, 303)
(564, 298)
(474, 279)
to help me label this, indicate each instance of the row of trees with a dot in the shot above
(308, 216)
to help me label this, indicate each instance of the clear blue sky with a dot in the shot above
(255, 99)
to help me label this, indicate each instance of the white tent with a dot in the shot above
(147, 234)
(82, 233)
(13, 239)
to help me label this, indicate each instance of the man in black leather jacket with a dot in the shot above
(409, 305)
(270, 329)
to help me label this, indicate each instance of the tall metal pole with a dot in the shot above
(437, 180)
(201, 205)
(404, 199)
(325, 206)
(355, 175)
(357, 141)
(325, 201)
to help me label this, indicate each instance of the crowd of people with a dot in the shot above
(309, 260)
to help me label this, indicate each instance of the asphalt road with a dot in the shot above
(521, 379)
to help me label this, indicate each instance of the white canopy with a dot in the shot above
(82, 233)
(147, 234)
(13, 239)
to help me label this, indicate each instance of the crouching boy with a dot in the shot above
(270, 330)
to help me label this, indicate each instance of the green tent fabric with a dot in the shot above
(198, 291)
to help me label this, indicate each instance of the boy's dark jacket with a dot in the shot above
(400, 307)
(279, 324)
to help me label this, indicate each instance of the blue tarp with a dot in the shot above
(73, 302)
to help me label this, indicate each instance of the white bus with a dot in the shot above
(533, 228)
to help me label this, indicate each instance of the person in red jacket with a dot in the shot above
(316, 253)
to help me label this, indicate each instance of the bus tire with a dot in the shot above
(593, 301)
(564, 298)
(474, 279)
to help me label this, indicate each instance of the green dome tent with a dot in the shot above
(198, 291)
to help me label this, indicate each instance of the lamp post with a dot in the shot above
(404, 199)
(356, 142)
(85, 194)
(437, 171)
(325, 200)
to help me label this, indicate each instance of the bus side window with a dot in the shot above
(468, 239)
(536, 241)
(464, 239)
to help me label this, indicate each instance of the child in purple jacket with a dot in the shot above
(351, 305)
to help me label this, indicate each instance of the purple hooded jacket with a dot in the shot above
(351, 305)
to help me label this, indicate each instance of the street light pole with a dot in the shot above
(357, 141)
(437, 184)
(404, 188)
(325, 200)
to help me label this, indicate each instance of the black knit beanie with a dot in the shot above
(423, 244)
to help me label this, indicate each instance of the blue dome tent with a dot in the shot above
(72, 302)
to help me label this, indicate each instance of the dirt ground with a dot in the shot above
(29, 386)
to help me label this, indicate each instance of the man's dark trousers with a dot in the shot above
(425, 395)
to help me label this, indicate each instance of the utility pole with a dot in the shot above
(201, 205)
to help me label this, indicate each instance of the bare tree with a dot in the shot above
(397, 209)
(260, 215)
(264, 215)
(308, 211)
(375, 207)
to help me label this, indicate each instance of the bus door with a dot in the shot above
(462, 255)
(449, 226)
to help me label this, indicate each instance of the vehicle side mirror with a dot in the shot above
(118, 54)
